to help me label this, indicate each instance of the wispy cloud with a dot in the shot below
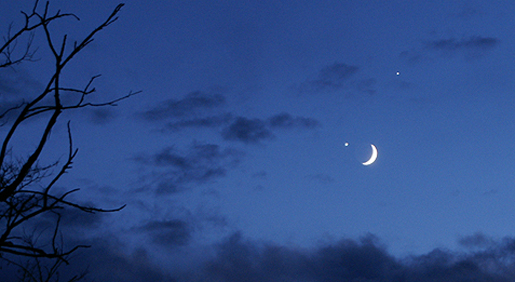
(201, 110)
(168, 233)
(477, 240)
(338, 77)
(285, 120)
(16, 85)
(470, 47)
(252, 131)
(329, 78)
(201, 122)
(332, 76)
(173, 170)
(470, 43)
(247, 130)
(71, 221)
(188, 106)
(102, 115)
(16, 82)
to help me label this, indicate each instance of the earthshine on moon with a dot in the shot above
(373, 157)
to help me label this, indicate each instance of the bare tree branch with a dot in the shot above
(26, 186)
(10, 43)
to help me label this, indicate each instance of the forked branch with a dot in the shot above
(26, 187)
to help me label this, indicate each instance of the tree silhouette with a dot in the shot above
(26, 185)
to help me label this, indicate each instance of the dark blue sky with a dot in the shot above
(234, 152)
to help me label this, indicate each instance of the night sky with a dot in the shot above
(232, 161)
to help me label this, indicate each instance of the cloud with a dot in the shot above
(168, 233)
(72, 222)
(72, 217)
(242, 260)
(247, 131)
(469, 47)
(252, 131)
(16, 85)
(102, 115)
(191, 112)
(110, 260)
(478, 43)
(203, 122)
(16, 82)
(477, 240)
(365, 259)
(244, 129)
(236, 258)
(174, 170)
(332, 76)
(107, 260)
(285, 120)
(193, 103)
(336, 77)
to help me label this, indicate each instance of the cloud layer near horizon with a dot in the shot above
(237, 259)
(350, 260)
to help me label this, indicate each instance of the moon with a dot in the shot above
(373, 157)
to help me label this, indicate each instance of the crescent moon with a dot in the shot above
(373, 157)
